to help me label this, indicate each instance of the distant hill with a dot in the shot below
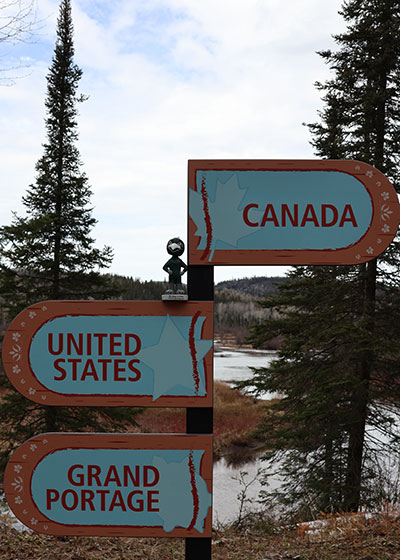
(257, 286)
(130, 288)
(236, 307)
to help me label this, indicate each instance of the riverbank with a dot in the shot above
(341, 538)
(235, 419)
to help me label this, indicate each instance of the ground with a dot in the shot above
(354, 537)
(235, 418)
(350, 538)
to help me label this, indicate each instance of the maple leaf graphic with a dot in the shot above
(218, 218)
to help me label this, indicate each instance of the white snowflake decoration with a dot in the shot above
(385, 212)
(15, 352)
(18, 484)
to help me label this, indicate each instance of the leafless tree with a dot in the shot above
(18, 23)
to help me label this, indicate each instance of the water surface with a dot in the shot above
(233, 364)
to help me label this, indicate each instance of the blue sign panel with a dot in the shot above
(101, 353)
(113, 484)
(300, 212)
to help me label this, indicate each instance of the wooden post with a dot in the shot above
(200, 282)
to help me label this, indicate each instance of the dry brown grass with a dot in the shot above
(161, 420)
(235, 418)
(350, 538)
(353, 537)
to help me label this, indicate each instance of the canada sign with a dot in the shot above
(289, 212)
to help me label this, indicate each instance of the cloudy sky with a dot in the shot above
(169, 81)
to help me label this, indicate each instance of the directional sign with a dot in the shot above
(113, 484)
(288, 212)
(112, 353)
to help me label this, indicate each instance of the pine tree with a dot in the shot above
(361, 120)
(49, 253)
(307, 431)
(338, 368)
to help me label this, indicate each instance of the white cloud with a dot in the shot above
(170, 80)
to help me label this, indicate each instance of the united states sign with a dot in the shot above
(113, 484)
(112, 353)
(288, 212)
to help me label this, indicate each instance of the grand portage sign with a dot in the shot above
(113, 484)
(112, 353)
(288, 212)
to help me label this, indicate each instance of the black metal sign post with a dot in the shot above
(200, 283)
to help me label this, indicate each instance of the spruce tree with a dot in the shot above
(338, 367)
(362, 101)
(307, 431)
(49, 253)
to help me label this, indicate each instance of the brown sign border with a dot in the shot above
(386, 214)
(17, 340)
(18, 476)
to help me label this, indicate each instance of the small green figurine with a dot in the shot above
(175, 267)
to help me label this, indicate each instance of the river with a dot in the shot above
(232, 364)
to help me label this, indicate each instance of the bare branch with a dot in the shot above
(18, 19)
(18, 23)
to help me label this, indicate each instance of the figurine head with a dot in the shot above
(175, 246)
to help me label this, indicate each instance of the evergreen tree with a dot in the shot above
(49, 253)
(338, 368)
(307, 431)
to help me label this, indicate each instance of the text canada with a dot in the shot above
(295, 215)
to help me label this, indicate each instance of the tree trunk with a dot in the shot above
(51, 418)
(360, 396)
